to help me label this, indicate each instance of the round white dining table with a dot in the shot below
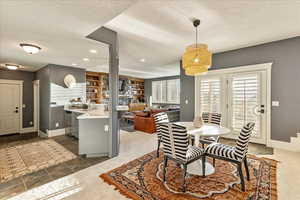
(206, 130)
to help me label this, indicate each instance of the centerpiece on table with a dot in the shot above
(198, 122)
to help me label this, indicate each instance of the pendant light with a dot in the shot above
(196, 59)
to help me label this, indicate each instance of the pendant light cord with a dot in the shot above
(196, 36)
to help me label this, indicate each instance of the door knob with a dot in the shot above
(260, 110)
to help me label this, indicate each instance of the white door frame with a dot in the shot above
(247, 68)
(20, 84)
(36, 105)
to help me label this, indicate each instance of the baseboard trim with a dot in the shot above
(27, 130)
(42, 134)
(284, 145)
(56, 132)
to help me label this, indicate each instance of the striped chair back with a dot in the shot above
(215, 118)
(212, 118)
(205, 117)
(161, 117)
(175, 140)
(242, 142)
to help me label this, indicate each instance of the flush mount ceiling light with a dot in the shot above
(11, 66)
(142, 60)
(85, 59)
(74, 64)
(30, 48)
(197, 58)
(93, 51)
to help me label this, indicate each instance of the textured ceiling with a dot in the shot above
(156, 30)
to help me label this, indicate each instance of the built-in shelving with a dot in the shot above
(97, 88)
(94, 86)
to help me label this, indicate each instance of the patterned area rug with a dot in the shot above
(19, 160)
(142, 179)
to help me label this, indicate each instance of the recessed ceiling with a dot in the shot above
(155, 30)
(58, 27)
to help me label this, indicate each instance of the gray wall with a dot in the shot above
(187, 88)
(51, 73)
(43, 75)
(285, 81)
(27, 77)
(57, 75)
(148, 85)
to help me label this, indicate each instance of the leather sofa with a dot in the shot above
(144, 121)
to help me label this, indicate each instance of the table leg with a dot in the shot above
(196, 168)
(197, 140)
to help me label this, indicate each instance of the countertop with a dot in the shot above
(89, 114)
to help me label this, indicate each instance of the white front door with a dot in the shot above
(247, 103)
(9, 108)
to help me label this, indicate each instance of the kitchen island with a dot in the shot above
(93, 131)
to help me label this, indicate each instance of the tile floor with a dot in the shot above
(86, 184)
(47, 175)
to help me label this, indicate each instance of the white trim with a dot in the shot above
(6, 81)
(234, 69)
(36, 104)
(283, 145)
(269, 103)
(246, 68)
(20, 83)
(27, 130)
(56, 132)
(42, 134)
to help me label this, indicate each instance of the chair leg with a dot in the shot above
(184, 175)
(203, 165)
(239, 166)
(214, 162)
(247, 168)
(203, 146)
(165, 167)
(158, 146)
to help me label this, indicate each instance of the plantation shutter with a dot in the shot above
(210, 95)
(245, 100)
(156, 91)
(159, 91)
(173, 91)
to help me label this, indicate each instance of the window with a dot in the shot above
(210, 95)
(158, 91)
(173, 91)
(166, 91)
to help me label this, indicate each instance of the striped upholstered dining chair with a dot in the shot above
(211, 118)
(176, 147)
(237, 154)
(161, 117)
